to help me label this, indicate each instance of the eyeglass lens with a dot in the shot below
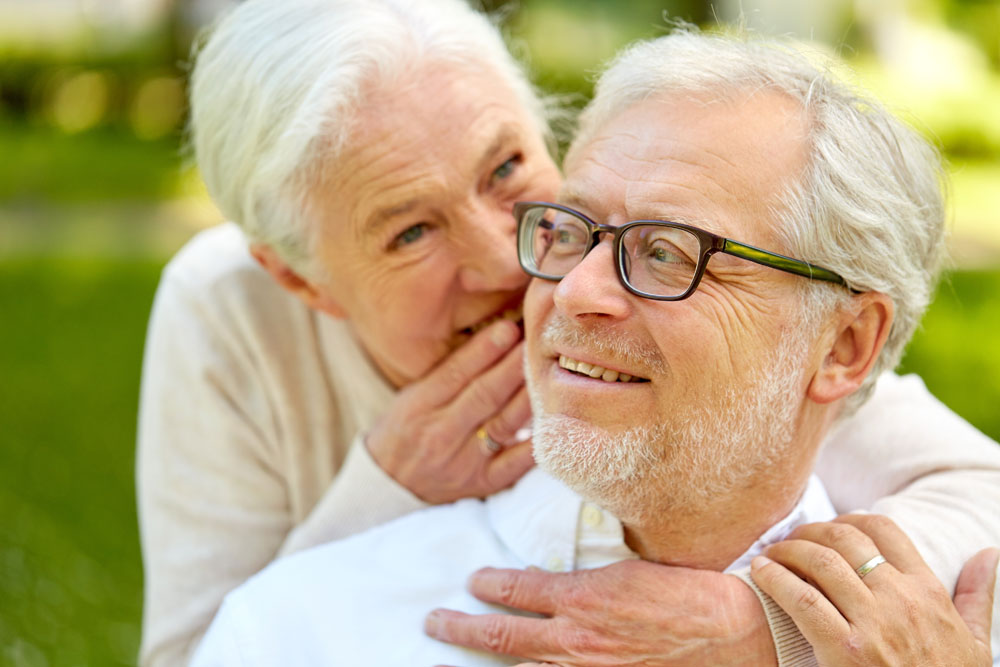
(656, 259)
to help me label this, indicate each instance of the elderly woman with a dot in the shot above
(341, 353)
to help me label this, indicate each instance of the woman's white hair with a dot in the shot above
(870, 203)
(278, 85)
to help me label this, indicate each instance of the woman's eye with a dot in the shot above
(505, 169)
(409, 235)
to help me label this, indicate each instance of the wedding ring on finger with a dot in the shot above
(488, 444)
(870, 565)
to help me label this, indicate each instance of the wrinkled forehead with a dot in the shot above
(691, 158)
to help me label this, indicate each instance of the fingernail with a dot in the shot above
(503, 333)
(759, 562)
(534, 568)
(432, 623)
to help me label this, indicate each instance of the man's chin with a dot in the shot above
(595, 463)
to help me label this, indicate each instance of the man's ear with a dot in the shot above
(861, 331)
(311, 294)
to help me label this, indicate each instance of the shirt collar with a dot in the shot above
(536, 519)
(539, 521)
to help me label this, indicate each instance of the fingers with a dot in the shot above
(853, 545)
(817, 618)
(496, 633)
(828, 573)
(889, 540)
(488, 394)
(515, 414)
(508, 466)
(451, 377)
(974, 593)
(531, 590)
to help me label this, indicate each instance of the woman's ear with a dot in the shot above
(861, 332)
(311, 294)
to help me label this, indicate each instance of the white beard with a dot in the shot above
(701, 451)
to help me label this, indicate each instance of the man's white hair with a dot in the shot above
(870, 203)
(279, 84)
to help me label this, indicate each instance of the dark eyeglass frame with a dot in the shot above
(709, 245)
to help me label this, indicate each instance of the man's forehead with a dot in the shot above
(575, 195)
(687, 159)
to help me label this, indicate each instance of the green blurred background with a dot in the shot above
(96, 194)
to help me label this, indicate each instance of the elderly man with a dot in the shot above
(741, 245)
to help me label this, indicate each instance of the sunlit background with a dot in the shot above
(96, 193)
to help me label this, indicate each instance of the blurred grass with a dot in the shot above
(70, 572)
(956, 350)
(70, 350)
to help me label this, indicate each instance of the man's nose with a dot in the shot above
(489, 249)
(592, 288)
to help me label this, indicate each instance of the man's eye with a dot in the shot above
(505, 169)
(662, 255)
(409, 235)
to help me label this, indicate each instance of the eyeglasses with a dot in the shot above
(654, 259)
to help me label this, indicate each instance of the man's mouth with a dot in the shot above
(596, 372)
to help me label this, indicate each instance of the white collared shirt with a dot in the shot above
(363, 600)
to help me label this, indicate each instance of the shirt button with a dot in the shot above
(555, 564)
(592, 516)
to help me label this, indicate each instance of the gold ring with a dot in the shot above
(870, 565)
(488, 443)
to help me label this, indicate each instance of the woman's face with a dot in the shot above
(416, 227)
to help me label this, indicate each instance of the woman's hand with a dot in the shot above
(427, 440)
(895, 613)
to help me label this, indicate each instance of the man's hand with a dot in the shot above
(427, 439)
(629, 613)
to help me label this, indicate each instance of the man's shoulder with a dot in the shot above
(340, 599)
(408, 542)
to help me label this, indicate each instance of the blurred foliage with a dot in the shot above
(73, 91)
(42, 163)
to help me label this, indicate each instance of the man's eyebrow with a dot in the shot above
(576, 198)
(572, 197)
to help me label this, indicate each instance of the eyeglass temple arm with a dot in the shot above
(782, 263)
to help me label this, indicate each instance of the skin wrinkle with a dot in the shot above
(729, 394)
(637, 180)
(369, 224)
(460, 267)
(620, 347)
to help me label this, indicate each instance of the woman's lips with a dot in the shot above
(510, 314)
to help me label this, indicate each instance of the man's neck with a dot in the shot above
(713, 535)
(712, 530)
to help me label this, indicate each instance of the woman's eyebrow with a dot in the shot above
(506, 134)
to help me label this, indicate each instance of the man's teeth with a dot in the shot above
(511, 314)
(606, 374)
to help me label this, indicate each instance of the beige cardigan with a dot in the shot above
(251, 408)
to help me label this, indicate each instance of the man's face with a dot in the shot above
(723, 373)
(416, 231)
